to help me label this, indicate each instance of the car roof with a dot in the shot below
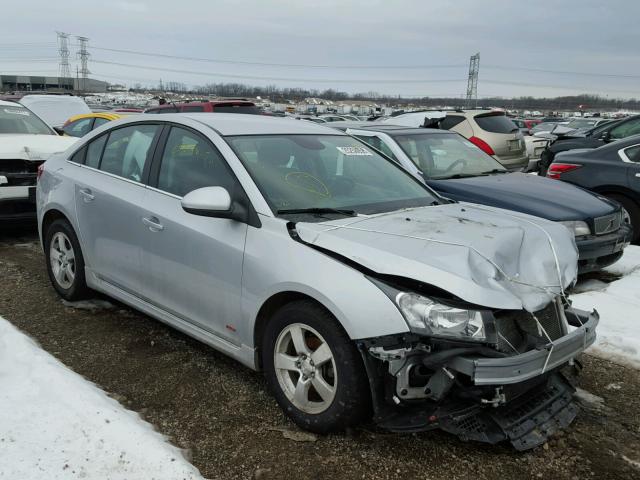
(105, 115)
(244, 124)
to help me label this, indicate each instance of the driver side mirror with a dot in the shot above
(59, 131)
(213, 202)
(606, 136)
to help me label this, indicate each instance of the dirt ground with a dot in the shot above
(229, 426)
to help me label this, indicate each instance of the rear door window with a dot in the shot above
(633, 153)
(128, 150)
(495, 123)
(79, 128)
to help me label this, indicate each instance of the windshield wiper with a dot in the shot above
(495, 170)
(317, 211)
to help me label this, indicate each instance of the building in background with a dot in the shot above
(53, 84)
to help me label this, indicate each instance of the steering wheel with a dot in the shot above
(460, 161)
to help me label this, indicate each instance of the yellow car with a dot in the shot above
(80, 125)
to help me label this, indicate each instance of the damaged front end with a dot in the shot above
(482, 375)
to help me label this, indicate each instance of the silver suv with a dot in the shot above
(301, 251)
(493, 132)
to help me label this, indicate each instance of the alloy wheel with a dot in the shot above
(63, 261)
(305, 368)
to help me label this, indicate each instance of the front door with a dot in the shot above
(192, 264)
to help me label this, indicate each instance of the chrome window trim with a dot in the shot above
(106, 173)
(623, 155)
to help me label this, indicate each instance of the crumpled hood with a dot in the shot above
(531, 194)
(490, 257)
(33, 147)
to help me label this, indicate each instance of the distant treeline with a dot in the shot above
(281, 95)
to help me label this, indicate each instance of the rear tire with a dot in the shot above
(65, 263)
(634, 212)
(325, 396)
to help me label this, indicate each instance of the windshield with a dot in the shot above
(582, 123)
(327, 172)
(20, 120)
(444, 155)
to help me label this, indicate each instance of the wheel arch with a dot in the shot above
(617, 190)
(270, 306)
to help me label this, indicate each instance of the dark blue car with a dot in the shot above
(458, 170)
(612, 170)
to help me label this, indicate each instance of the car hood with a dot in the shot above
(531, 194)
(33, 147)
(486, 256)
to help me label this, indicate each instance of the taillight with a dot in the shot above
(557, 169)
(482, 145)
(40, 171)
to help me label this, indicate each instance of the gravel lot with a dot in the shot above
(230, 427)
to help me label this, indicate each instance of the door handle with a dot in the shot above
(86, 193)
(153, 223)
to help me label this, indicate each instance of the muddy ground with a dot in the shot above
(221, 414)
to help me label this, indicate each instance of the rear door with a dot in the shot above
(192, 264)
(109, 194)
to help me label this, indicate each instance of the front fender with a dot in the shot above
(275, 263)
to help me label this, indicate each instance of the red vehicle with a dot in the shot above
(218, 106)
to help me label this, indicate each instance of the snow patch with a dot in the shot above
(55, 424)
(618, 303)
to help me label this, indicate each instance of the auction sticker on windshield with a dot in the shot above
(17, 111)
(352, 151)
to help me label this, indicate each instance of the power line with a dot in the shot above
(287, 79)
(267, 64)
(561, 72)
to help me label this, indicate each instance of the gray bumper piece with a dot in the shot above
(518, 368)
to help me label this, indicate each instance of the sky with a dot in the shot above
(397, 47)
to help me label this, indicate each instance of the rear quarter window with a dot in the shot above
(450, 121)
(495, 123)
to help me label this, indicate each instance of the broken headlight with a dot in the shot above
(428, 317)
(577, 227)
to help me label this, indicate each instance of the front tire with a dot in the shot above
(65, 263)
(314, 370)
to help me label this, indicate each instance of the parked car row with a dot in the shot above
(362, 292)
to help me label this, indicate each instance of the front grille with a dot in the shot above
(518, 329)
(11, 166)
(608, 223)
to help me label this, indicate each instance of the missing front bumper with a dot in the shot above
(521, 398)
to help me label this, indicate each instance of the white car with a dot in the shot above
(25, 143)
(535, 146)
(55, 109)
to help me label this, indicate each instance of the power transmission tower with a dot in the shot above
(472, 83)
(83, 55)
(63, 51)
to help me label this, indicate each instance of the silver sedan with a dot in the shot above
(300, 251)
